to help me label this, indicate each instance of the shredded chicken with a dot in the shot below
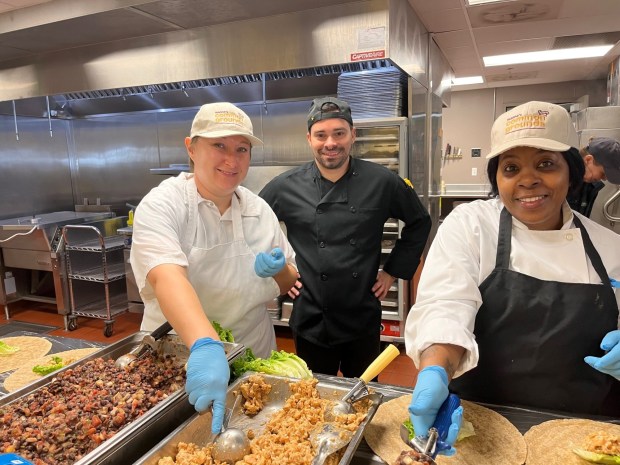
(286, 438)
(602, 442)
(254, 391)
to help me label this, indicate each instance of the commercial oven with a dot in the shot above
(32, 264)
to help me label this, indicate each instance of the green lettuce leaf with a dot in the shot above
(279, 363)
(225, 335)
(467, 430)
(6, 349)
(54, 364)
(597, 458)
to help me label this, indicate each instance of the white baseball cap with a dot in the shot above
(223, 119)
(541, 125)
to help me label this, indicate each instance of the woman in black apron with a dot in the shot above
(532, 335)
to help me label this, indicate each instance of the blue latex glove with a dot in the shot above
(207, 379)
(610, 362)
(267, 265)
(430, 391)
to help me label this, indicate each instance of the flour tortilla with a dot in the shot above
(30, 347)
(24, 375)
(496, 440)
(552, 442)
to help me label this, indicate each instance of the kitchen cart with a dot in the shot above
(96, 274)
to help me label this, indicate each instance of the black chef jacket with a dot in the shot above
(337, 238)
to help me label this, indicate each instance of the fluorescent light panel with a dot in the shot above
(463, 81)
(547, 55)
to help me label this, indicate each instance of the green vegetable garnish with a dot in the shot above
(597, 458)
(55, 364)
(6, 349)
(467, 430)
(225, 335)
(280, 363)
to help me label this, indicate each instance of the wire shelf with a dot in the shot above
(111, 243)
(114, 273)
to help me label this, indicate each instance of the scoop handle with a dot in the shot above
(161, 331)
(444, 416)
(379, 364)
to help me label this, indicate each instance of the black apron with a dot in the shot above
(532, 337)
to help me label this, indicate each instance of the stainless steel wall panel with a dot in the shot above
(285, 127)
(114, 155)
(34, 170)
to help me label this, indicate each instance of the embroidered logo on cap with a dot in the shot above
(228, 117)
(519, 122)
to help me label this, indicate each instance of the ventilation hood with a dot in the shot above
(283, 56)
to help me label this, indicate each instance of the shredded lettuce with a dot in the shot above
(225, 335)
(6, 349)
(54, 364)
(597, 458)
(467, 430)
(280, 363)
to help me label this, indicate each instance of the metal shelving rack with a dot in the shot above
(96, 275)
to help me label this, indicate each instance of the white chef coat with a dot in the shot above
(463, 254)
(166, 232)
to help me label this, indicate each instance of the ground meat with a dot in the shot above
(82, 407)
(286, 436)
(602, 442)
(254, 392)
(191, 454)
(410, 457)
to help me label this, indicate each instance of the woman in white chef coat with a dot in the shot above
(206, 249)
(517, 290)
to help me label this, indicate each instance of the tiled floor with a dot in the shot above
(400, 372)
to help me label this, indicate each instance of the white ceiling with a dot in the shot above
(466, 34)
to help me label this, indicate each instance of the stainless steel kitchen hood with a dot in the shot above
(289, 54)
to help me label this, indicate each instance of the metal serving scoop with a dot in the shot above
(231, 444)
(360, 389)
(147, 344)
(429, 446)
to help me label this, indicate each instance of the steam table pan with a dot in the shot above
(197, 429)
(137, 437)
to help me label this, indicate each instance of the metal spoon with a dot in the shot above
(344, 405)
(232, 444)
(148, 343)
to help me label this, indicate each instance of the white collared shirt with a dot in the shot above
(463, 254)
(159, 230)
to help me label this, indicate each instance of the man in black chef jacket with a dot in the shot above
(334, 208)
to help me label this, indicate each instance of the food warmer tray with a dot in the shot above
(523, 419)
(197, 429)
(136, 438)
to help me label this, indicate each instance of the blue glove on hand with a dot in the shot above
(268, 265)
(610, 362)
(430, 391)
(207, 379)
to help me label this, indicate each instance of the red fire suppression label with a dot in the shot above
(373, 55)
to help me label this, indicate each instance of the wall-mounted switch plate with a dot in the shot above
(474, 171)
(476, 153)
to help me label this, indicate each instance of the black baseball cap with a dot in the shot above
(329, 107)
(606, 152)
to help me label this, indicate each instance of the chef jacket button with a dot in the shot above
(319, 211)
(323, 277)
(352, 241)
(322, 244)
(355, 274)
(569, 236)
(353, 210)
(354, 173)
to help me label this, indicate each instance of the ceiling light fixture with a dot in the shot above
(463, 81)
(547, 55)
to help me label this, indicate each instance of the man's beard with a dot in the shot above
(333, 163)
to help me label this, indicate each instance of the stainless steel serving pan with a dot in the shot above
(136, 438)
(197, 429)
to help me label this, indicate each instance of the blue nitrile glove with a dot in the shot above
(610, 362)
(267, 265)
(430, 391)
(207, 379)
